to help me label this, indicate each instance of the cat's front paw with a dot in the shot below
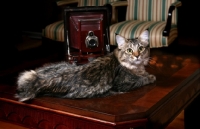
(151, 78)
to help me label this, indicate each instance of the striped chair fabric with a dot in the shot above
(55, 31)
(147, 14)
(94, 2)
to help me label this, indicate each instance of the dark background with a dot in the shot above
(36, 13)
(33, 15)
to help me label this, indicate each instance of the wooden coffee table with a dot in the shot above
(153, 106)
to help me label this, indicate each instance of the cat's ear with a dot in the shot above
(120, 41)
(144, 37)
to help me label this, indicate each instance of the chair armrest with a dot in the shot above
(169, 18)
(115, 5)
(66, 2)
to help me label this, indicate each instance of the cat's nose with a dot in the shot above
(136, 54)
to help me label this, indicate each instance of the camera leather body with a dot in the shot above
(86, 31)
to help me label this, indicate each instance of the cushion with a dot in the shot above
(55, 31)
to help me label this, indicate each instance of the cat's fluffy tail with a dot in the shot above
(25, 82)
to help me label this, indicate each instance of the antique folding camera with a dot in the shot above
(86, 31)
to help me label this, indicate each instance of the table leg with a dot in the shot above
(192, 114)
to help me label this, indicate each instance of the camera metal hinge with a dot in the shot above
(68, 49)
(74, 24)
(108, 44)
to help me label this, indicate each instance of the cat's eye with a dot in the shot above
(129, 51)
(141, 48)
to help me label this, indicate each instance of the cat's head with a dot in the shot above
(133, 53)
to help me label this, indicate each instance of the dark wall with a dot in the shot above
(10, 23)
(10, 31)
(189, 22)
(32, 15)
(37, 13)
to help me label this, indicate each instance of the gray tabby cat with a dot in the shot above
(119, 71)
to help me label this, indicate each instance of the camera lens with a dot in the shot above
(91, 40)
(92, 43)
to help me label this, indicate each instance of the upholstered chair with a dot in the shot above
(158, 16)
(55, 31)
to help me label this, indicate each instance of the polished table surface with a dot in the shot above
(154, 105)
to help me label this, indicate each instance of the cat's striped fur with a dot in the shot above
(119, 71)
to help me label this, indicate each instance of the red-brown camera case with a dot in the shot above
(86, 31)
